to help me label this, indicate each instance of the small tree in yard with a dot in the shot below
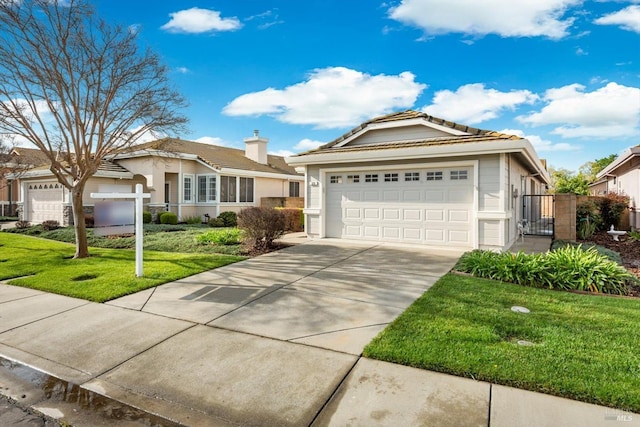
(261, 226)
(78, 89)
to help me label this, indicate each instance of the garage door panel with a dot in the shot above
(436, 212)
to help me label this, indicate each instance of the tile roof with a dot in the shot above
(216, 156)
(104, 167)
(475, 134)
(30, 156)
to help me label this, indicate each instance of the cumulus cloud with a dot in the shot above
(506, 18)
(611, 111)
(627, 18)
(308, 144)
(196, 20)
(212, 140)
(473, 103)
(542, 144)
(183, 70)
(333, 97)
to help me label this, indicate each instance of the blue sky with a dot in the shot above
(564, 73)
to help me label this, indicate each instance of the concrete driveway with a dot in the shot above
(330, 293)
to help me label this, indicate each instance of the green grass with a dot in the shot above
(157, 237)
(107, 274)
(585, 347)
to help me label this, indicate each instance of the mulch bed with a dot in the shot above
(629, 250)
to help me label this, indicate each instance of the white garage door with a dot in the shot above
(426, 206)
(45, 202)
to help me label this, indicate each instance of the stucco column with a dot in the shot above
(565, 216)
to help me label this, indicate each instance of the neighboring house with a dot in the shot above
(185, 177)
(622, 176)
(13, 164)
(412, 178)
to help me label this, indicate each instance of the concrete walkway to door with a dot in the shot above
(329, 293)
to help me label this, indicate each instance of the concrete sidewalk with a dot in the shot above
(275, 340)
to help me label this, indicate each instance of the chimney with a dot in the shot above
(255, 148)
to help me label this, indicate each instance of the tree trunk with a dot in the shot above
(82, 249)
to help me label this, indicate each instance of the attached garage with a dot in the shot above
(409, 177)
(432, 206)
(45, 201)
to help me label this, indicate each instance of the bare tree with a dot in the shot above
(79, 89)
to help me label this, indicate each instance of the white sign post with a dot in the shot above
(138, 196)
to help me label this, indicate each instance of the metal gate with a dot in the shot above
(538, 213)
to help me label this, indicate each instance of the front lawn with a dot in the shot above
(584, 347)
(107, 274)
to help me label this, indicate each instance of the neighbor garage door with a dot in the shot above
(45, 202)
(427, 206)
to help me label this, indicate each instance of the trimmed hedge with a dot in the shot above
(168, 218)
(146, 217)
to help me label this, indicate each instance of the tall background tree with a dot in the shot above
(593, 168)
(564, 181)
(79, 89)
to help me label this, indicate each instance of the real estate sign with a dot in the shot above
(114, 217)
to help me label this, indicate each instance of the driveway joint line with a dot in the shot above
(148, 298)
(44, 318)
(350, 299)
(337, 330)
(490, 403)
(335, 391)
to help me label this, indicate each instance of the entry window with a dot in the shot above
(228, 189)
(458, 175)
(246, 190)
(371, 177)
(294, 189)
(434, 176)
(187, 188)
(353, 179)
(390, 177)
(412, 176)
(335, 179)
(206, 188)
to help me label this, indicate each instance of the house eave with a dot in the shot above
(622, 159)
(258, 174)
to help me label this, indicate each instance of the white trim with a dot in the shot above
(256, 174)
(43, 173)
(495, 215)
(207, 176)
(475, 225)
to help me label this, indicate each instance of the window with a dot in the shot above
(371, 177)
(458, 175)
(228, 189)
(206, 188)
(187, 188)
(335, 179)
(390, 177)
(294, 189)
(353, 179)
(434, 176)
(412, 176)
(246, 190)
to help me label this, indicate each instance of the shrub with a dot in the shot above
(216, 222)
(261, 226)
(611, 207)
(146, 217)
(612, 255)
(194, 219)
(168, 218)
(20, 225)
(588, 211)
(567, 268)
(293, 219)
(586, 228)
(228, 236)
(89, 221)
(229, 218)
(50, 225)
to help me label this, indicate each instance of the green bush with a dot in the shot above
(194, 219)
(261, 226)
(229, 218)
(216, 222)
(611, 207)
(168, 218)
(146, 217)
(566, 268)
(227, 236)
(586, 228)
(612, 255)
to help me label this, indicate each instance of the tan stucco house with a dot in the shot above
(409, 177)
(184, 177)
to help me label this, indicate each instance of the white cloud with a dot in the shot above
(308, 144)
(540, 144)
(196, 20)
(183, 70)
(282, 153)
(611, 111)
(627, 18)
(581, 52)
(212, 140)
(333, 97)
(506, 18)
(473, 103)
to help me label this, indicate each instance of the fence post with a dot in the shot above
(565, 221)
